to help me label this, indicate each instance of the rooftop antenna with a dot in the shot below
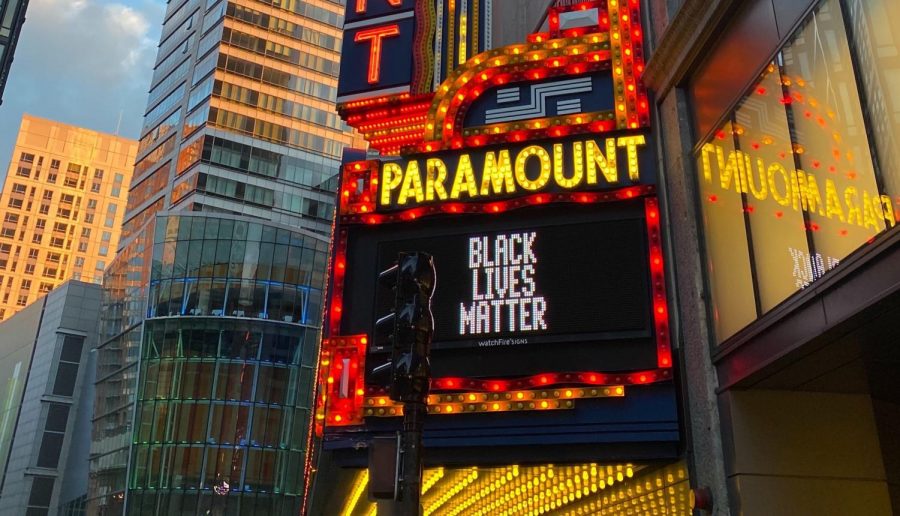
(119, 122)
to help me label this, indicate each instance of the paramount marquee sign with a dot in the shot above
(589, 163)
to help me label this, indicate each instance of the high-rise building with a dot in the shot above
(47, 374)
(12, 16)
(212, 306)
(62, 207)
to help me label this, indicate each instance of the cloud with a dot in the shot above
(82, 62)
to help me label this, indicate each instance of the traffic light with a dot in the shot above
(409, 327)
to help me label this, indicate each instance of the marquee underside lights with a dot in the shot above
(588, 489)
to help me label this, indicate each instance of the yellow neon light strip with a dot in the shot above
(471, 476)
(359, 485)
(572, 490)
(431, 478)
(469, 402)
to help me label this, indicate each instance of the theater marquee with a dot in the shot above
(529, 174)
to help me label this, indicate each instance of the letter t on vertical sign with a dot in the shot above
(374, 29)
(375, 35)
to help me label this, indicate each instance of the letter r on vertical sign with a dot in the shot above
(376, 35)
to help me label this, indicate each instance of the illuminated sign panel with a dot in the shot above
(359, 10)
(374, 49)
(497, 173)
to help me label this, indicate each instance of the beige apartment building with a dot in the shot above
(61, 209)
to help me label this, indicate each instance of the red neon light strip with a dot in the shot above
(458, 384)
(658, 283)
(375, 36)
(361, 5)
(364, 212)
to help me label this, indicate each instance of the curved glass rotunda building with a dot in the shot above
(229, 347)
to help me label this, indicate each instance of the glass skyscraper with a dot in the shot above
(212, 307)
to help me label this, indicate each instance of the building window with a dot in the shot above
(49, 272)
(26, 284)
(37, 238)
(92, 203)
(45, 287)
(789, 183)
(82, 247)
(15, 203)
(57, 242)
(40, 495)
(23, 171)
(54, 257)
(95, 187)
(27, 158)
(98, 174)
(33, 253)
(67, 367)
(17, 188)
(79, 261)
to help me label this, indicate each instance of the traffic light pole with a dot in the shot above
(409, 329)
(411, 459)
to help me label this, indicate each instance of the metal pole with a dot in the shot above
(411, 457)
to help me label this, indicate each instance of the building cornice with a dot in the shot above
(681, 46)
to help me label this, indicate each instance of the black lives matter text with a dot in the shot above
(504, 290)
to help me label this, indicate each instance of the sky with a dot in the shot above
(82, 62)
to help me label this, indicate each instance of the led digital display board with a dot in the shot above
(536, 292)
(543, 282)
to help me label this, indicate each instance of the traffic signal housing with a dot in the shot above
(409, 327)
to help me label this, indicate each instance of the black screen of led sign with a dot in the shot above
(580, 299)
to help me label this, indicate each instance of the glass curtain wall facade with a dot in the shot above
(240, 127)
(227, 359)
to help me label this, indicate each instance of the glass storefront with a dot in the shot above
(805, 170)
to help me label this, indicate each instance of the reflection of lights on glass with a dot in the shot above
(221, 488)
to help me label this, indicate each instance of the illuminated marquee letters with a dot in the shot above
(375, 36)
(532, 169)
(503, 286)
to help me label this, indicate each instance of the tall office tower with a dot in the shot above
(12, 16)
(62, 208)
(212, 307)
